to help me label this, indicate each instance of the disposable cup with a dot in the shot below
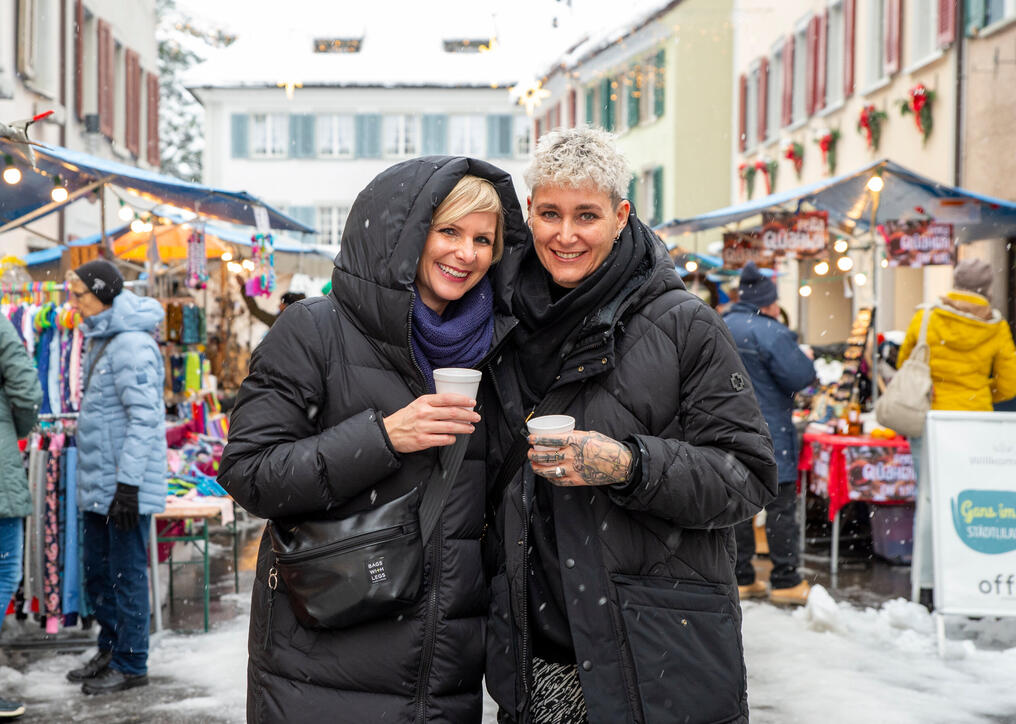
(457, 380)
(546, 425)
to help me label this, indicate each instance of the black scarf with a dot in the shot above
(552, 318)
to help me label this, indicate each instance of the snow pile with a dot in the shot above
(835, 663)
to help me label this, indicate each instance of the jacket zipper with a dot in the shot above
(525, 667)
(430, 626)
(357, 541)
(409, 340)
(273, 582)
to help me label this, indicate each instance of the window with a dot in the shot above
(834, 45)
(337, 45)
(499, 136)
(520, 136)
(923, 16)
(798, 103)
(435, 134)
(465, 135)
(38, 43)
(633, 98)
(658, 81)
(751, 108)
(335, 135)
(466, 45)
(269, 135)
(875, 42)
(330, 222)
(652, 194)
(774, 91)
(591, 105)
(399, 135)
(609, 104)
(997, 10)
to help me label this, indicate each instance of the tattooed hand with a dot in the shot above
(581, 458)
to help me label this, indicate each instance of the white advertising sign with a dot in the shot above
(972, 467)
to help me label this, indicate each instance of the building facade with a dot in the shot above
(95, 64)
(661, 83)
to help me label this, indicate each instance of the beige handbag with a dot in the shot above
(906, 400)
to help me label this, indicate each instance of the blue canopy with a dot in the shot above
(906, 195)
(77, 170)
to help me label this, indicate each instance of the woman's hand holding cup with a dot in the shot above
(431, 421)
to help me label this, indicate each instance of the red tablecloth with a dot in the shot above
(858, 468)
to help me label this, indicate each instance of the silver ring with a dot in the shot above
(559, 472)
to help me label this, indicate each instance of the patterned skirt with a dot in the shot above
(557, 694)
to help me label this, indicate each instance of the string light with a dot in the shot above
(234, 268)
(12, 174)
(844, 263)
(59, 192)
(226, 256)
(691, 266)
(126, 213)
(822, 268)
(805, 291)
(860, 279)
(875, 184)
(840, 246)
(248, 265)
(884, 263)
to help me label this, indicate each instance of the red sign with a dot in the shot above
(804, 234)
(878, 473)
(918, 243)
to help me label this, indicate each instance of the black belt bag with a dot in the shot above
(367, 566)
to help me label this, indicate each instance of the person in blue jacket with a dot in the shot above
(778, 368)
(121, 475)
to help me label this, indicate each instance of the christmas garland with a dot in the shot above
(919, 102)
(768, 170)
(870, 124)
(827, 141)
(794, 152)
(746, 172)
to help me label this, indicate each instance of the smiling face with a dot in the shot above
(574, 230)
(455, 258)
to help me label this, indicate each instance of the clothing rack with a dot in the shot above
(54, 287)
(60, 416)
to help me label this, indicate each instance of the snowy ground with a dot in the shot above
(862, 660)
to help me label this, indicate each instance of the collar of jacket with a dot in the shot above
(970, 304)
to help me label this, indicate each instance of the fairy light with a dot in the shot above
(226, 256)
(844, 263)
(860, 279)
(59, 193)
(691, 266)
(840, 246)
(12, 174)
(126, 213)
(805, 291)
(822, 268)
(234, 268)
(248, 265)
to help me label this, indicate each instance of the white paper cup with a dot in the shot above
(550, 425)
(458, 381)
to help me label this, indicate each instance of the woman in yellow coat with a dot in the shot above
(973, 365)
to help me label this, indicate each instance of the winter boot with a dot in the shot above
(11, 709)
(111, 680)
(95, 666)
(755, 589)
(795, 595)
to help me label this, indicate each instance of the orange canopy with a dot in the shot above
(171, 241)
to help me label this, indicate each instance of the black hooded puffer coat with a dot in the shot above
(648, 573)
(306, 437)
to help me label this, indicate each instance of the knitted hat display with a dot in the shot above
(102, 279)
(973, 275)
(756, 289)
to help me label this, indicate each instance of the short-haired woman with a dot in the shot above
(338, 416)
(614, 596)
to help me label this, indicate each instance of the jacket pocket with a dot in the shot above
(501, 669)
(684, 640)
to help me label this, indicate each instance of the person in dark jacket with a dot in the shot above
(20, 397)
(266, 318)
(778, 369)
(121, 471)
(612, 587)
(335, 418)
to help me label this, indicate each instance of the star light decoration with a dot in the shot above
(529, 94)
(290, 86)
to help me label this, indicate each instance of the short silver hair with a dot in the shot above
(576, 157)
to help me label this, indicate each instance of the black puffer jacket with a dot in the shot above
(648, 575)
(306, 437)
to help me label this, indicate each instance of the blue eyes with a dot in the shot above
(453, 232)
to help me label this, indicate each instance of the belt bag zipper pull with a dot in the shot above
(273, 582)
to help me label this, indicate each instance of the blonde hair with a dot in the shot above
(471, 195)
(577, 157)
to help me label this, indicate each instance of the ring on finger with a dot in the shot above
(559, 471)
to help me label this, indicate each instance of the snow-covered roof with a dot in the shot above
(402, 42)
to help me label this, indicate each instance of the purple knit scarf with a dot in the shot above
(458, 338)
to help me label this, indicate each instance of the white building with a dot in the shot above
(93, 62)
(306, 120)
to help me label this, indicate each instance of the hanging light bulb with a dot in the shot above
(227, 256)
(138, 226)
(248, 265)
(691, 265)
(59, 192)
(840, 246)
(884, 263)
(860, 279)
(12, 174)
(875, 184)
(822, 268)
(233, 267)
(844, 263)
(805, 291)
(126, 213)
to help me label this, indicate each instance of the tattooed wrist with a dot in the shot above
(600, 460)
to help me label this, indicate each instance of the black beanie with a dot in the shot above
(102, 279)
(756, 289)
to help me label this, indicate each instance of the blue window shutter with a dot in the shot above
(657, 196)
(435, 135)
(301, 136)
(368, 135)
(239, 132)
(304, 214)
(499, 136)
(659, 86)
(632, 189)
(590, 105)
(607, 106)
